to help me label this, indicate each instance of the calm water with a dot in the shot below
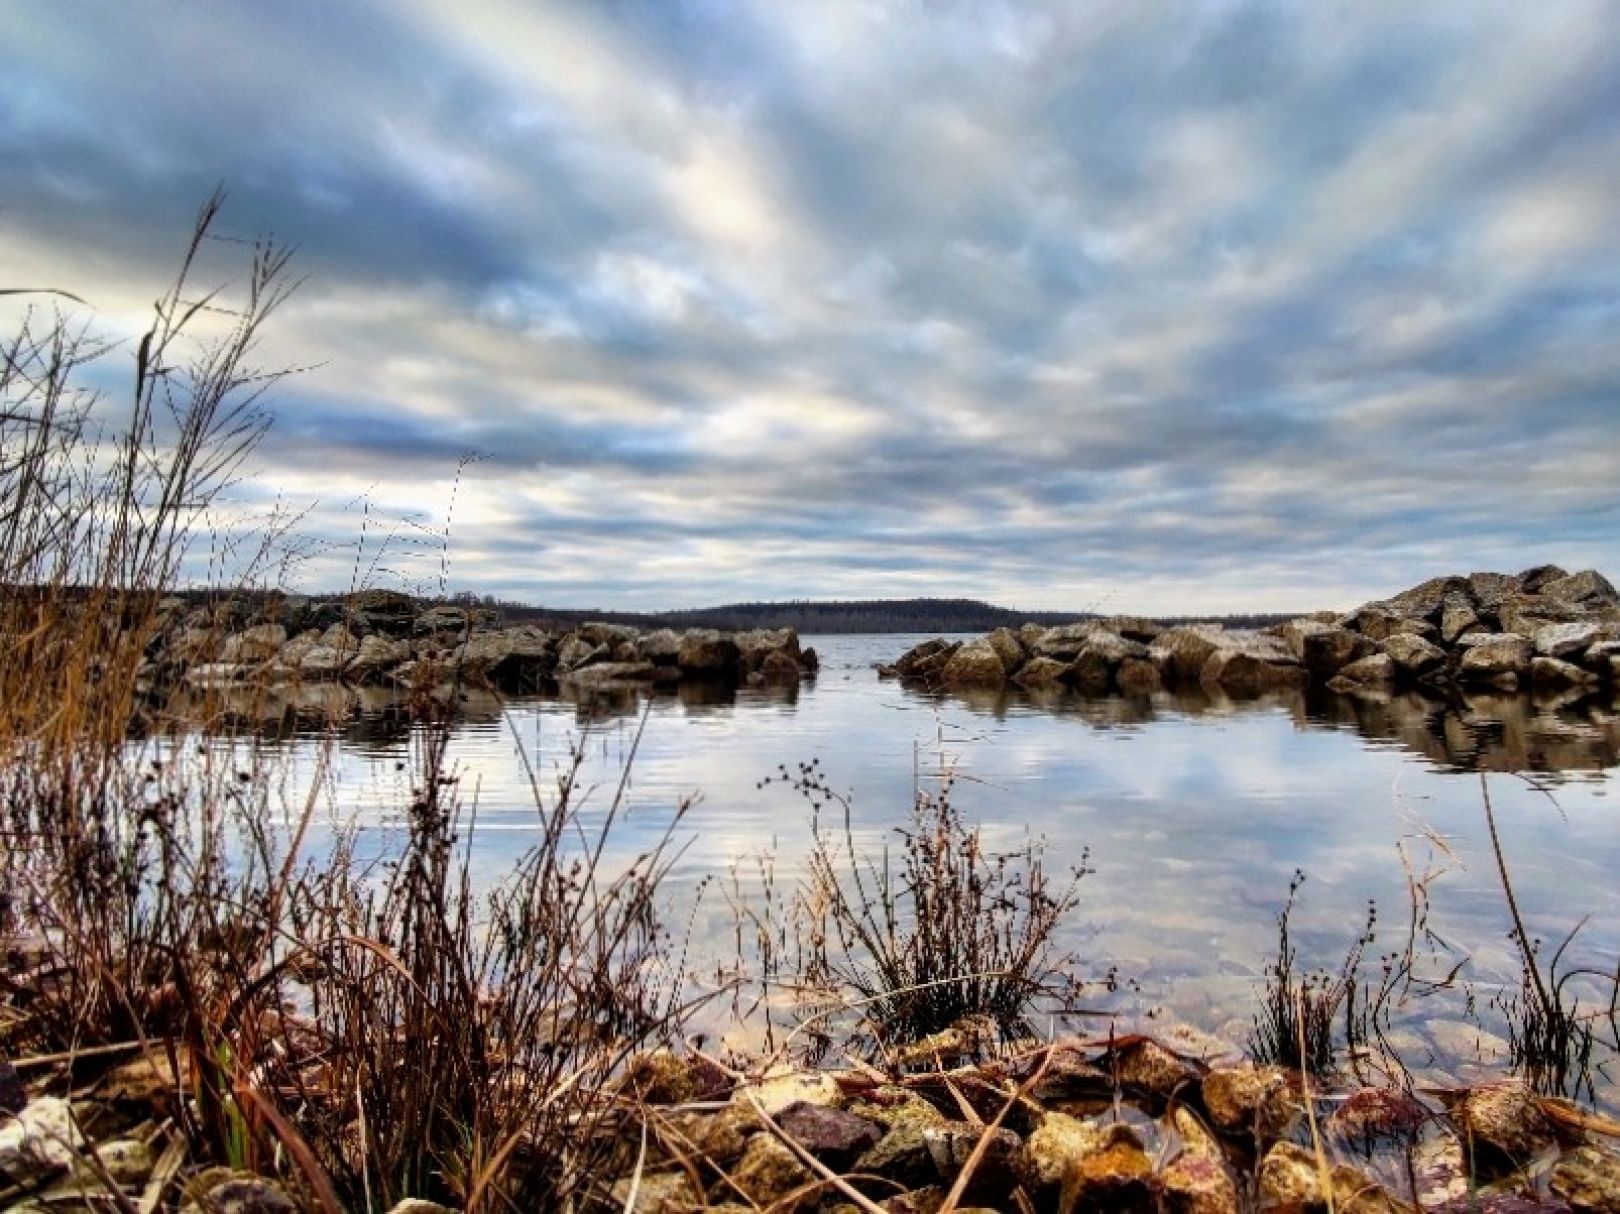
(1196, 814)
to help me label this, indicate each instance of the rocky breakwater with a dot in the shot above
(1544, 629)
(380, 637)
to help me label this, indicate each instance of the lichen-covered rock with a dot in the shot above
(1056, 1146)
(1292, 1179)
(1589, 1180)
(1001, 1167)
(705, 651)
(1197, 1184)
(779, 1089)
(656, 1193)
(1587, 588)
(1502, 1122)
(1250, 1099)
(1148, 1067)
(1117, 1176)
(769, 1174)
(901, 1155)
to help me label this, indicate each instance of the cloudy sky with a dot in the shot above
(1147, 306)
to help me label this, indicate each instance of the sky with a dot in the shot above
(1155, 307)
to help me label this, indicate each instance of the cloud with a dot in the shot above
(1187, 306)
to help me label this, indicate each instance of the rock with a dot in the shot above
(901, 1155)
(512, 660)
(705, 651)
(13, 1095)
(218, 674)
(1488, 590)
(1063, 642)
(1132, 627)
(1589, 1180)
(376, 657)
(385, 611)
(1370, 1114)
(1375, 670)
(1042, 672)
(240, 1193)
(1255, 1100)
(575, 652)
(1553, 674)
(1007, 644)
(1138, 676)
(975, 664)
(1373, 621)
(1117, 1176)
(610, 674)
(1182, 653)
(1056, 1147)
(1001, 1167)
(128, 1161)
(1112, 648)
(1457, 617)
(1291, 1178)
(436, 620)
(324, 662)
(1427, 600)
(768, 1172)
(1492, 661)
(1564, 640)
(1412, 654)
(662, 1076)
(661, 647)
(1587, 588)
(1501, 1122)
(910, 663)
(1249, 663)
(833, 1136)
(418, 1205)
(1527, 614)
(610, 636)
(1090, 672)
(1197, 1184)
(1294, 632)
(779, 1089)
(1148, 1067)
(1532, 580)
(257, 644)
(42, 1139)
(780, 666)
(657, 1193)
(1328, 651)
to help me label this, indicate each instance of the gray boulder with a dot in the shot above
(1329, 650)
(1010, 647)
(259, 643)
(975, 664)
(1562, 640)
(1412, 653)
(1182, 653)
(1374, 670)
(1587, 588)
(704, 651)
(1500, 660)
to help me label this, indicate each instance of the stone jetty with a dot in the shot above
(1544, 628)
(382, 637)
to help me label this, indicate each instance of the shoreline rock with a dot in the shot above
(1544, 628)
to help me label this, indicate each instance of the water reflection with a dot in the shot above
(1567, 736)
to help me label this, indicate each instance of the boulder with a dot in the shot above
(1042, 672)
(754, 645)
(1375, 670)
(780, 666)
(656, 1193)
(1057, 1146)
(1373, 620)
(515, 659)
(1182, 653)
(1412, 654)
(259, 643)
(704, 651)
(975, 664)
(1489, 589)
(1427, 600)
(39, 1141)
(1554, 674)
(611, 674)
(662, 646)
(1532, 580)
(1008, 647)
(1589, 1180)
(1457, 616)
(1138, 676)
(1117, 1176)
(1327, 651)
(1294, 632)
(387, 611)
(1500, 1123)
(1250, 663)
(1565, 640)
(1249, 1099)
(321, 662)
(1500, 660)
(1002, 1165)
(441, 619)
(377, 656)
(1132, 627)
(1091, 673)
(1587, 588)
(1063, 642)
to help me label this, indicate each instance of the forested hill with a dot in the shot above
(871, 615)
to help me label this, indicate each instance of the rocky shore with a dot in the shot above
(1540, 629)
(1129, 1124)
(386, 638)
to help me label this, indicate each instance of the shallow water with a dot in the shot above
(1196, 813)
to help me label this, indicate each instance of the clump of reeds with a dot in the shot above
(1306, 1017)
(939, 929)
(372, 1031)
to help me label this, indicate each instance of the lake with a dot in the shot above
(1196, 811)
